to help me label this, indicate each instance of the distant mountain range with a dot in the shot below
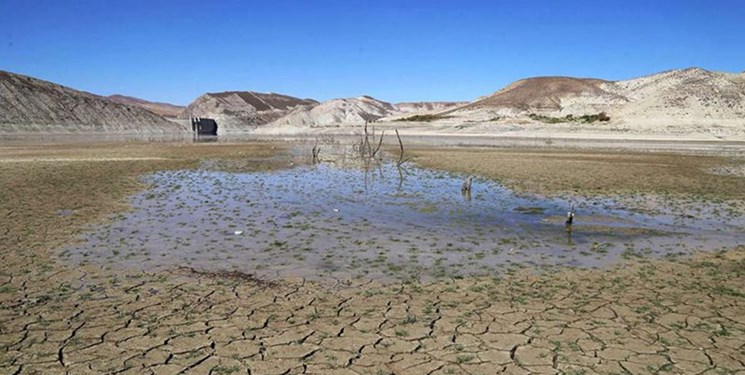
(671, 98)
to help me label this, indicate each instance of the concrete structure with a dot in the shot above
(203, 126)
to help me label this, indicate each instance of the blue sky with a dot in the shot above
(174, 51)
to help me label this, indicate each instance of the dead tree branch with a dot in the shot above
(366, 143)
(401, 159)
(316, 151)
(380, 143)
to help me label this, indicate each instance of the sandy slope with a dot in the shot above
(338, 112)
(31, 105)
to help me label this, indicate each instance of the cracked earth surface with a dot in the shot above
(682, 316)
(661, 316)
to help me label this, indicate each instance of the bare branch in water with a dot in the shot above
(380, 143)
(401, 144)
(316, 151)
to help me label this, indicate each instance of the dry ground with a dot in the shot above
(587, 172)
(665, 316)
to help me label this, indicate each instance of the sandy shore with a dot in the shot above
(413, 136)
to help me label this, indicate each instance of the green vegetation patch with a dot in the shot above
(584, 119)
(423, 118)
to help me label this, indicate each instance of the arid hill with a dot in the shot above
(676, 97)
(691, 96)
(163, 109)
(32, 105)
(547, 94)
(244, 110)
(348, 111)
(676, 102)
(353, 111)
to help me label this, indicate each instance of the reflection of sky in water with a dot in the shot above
(325, 221)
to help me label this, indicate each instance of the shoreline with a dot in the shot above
(597, 141)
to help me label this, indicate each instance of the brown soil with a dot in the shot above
(543, 93)
(591, 172)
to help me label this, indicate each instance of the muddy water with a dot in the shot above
(384, 223)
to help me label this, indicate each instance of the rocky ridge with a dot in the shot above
(29, 105)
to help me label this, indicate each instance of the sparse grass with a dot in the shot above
(401, 333)
(224, 370)
(7, 289)
(584, 119)
(728, 291)
(464, 359)
(34, 192)
(423, 118)
(591, 172)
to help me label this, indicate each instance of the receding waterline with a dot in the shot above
(381, 223)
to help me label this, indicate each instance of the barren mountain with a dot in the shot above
(356, 111)
(163, 109)
(244, 110)
(548, 95)
(672, 98)
(680, 101)
(31, 105)
(684, 101)
(349, 111)
(691, 95)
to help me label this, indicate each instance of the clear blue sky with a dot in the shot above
(174, 51)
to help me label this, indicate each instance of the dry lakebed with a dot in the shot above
(250, 258)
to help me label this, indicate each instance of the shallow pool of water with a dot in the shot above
(325, 221)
